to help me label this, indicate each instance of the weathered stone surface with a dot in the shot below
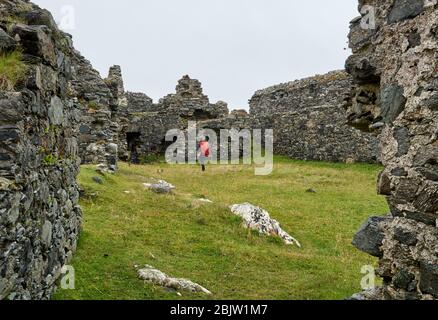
(401, 135)
(7, 43)
(432, 102)
(98, 180)
(384, 184)
(307, 120)
(56, 111)
(392, 102)
(429, 278)
(46, 233)
(39, 214)
(155, 276)
(370, 236)
(256, 218)
(363, 70)
(143, 125)
(405, 9)
(404, 280)
(97, 101)
(36, 41)
(161, 187)
(404, 53)
(407, 237)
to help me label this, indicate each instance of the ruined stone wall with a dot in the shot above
(144, 124)
(238, 120)
(395, 71)
(129, 111)
(99, 130)
(304, 114)
(189, 102)
(308, 123)
(39, 214)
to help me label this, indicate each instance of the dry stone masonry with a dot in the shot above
(57, 116)
(395, 72)
(98, 132)
(305, 115)
(143, 125)
(39, 156)
(307, 122)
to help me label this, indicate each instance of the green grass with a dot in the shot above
(208, 245)
(12, 69)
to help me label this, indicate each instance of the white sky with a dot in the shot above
(234, 47)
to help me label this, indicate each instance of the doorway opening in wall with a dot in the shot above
(133, 140)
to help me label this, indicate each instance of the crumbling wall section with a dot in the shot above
(39, 156)
(395, 71)
(99, 130)
(308, 122)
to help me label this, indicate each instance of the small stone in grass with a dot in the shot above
(98, 180)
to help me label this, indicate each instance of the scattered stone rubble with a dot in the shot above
(154, 276)
(161, 187)
(256, 218)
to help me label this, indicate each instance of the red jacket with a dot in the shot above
(204, 148)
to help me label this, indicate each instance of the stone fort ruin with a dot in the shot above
(395, 74)
(306, 116)
(64, 113)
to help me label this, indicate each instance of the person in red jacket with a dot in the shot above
(203, 152)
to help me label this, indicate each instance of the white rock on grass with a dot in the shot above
(256, 218)
(204, 200)
(155, 276)
(160, 187)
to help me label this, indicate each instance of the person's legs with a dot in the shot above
(202, 161)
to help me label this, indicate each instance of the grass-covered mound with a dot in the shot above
(126, 225)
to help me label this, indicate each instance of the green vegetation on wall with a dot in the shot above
(12, 70)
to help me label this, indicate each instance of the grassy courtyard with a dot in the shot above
(125, 225)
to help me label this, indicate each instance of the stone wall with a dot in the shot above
(395, 71)
(39, 214)
(308, 123)
(189, 102)
(98, 130)
(304, 114)
(143, 124)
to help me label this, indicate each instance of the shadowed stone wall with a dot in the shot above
(395, 72)
(39, 157)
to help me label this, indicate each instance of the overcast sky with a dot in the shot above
(234, 47)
